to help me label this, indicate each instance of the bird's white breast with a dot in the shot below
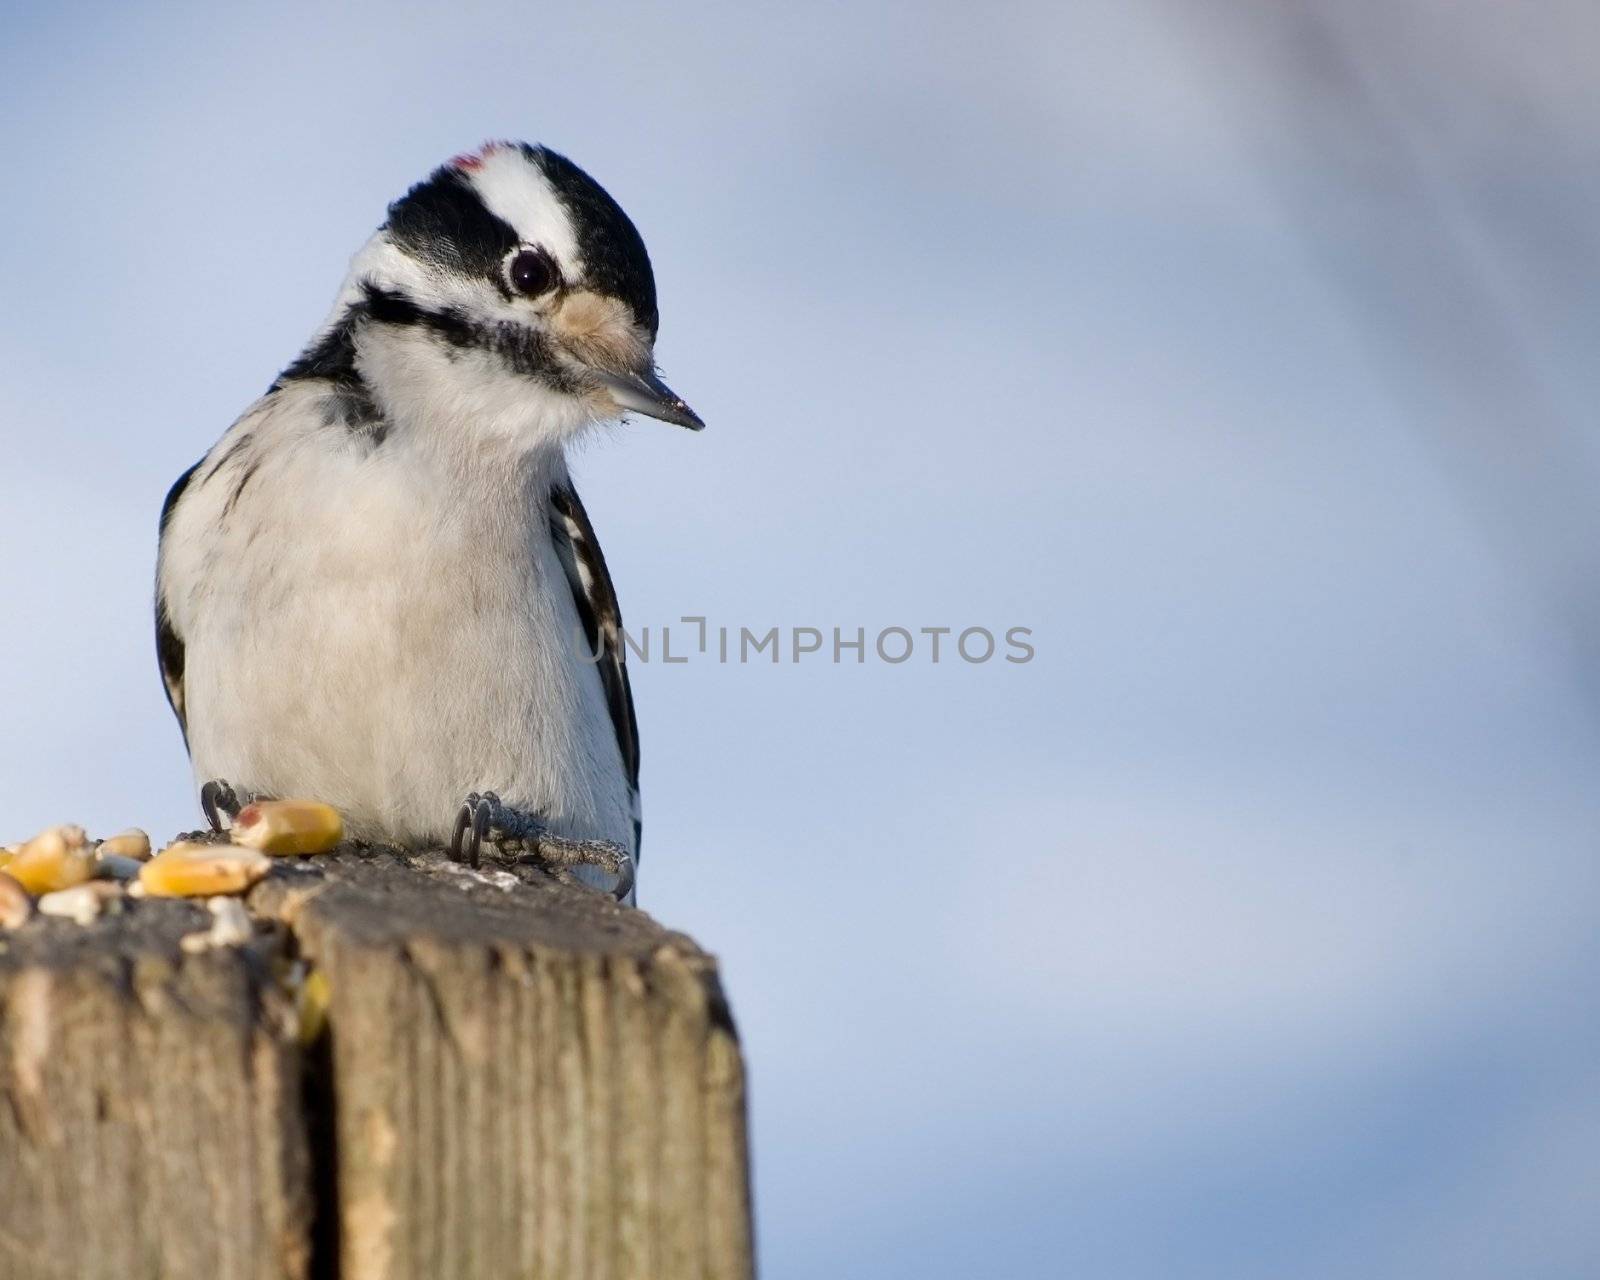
(386, 635)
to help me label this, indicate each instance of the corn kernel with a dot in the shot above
(131, 843)
(315, 996)
(288, 826)
(56, 858)
(82, 902)
(15, 904)
(115, 867)
(192, 870)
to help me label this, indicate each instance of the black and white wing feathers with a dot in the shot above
(596, 598)
(169, 644)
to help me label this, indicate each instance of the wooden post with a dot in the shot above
(516, 1078)
(151, 1123)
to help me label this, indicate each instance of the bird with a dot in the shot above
(379, 587)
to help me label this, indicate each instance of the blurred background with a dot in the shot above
(1244, 352)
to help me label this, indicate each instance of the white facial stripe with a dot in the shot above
(513, 188)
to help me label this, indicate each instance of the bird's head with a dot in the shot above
(508, 287)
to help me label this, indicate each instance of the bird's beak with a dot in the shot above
(647, 394)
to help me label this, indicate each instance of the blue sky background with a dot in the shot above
(1246, 356)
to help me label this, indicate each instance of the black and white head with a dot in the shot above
(507, 289)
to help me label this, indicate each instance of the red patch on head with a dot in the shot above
(471, 160)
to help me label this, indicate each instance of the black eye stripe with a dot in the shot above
(521, 348)
(531, 272)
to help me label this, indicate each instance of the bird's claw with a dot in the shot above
(218, 798)
(472, 825)
(484, 818)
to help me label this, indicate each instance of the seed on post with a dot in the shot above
(288, 826)
(82, 903)
(116, 867)
(315, 997)
(131, 843)
(56, 858)
(192, 870)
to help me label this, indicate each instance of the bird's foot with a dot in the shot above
(219, 799)
(483, 819)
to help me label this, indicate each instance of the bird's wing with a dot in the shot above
(596, 599)
(169, 644)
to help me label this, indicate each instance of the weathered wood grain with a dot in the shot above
(151, 1120)
(531, 1081)
(518, 1079)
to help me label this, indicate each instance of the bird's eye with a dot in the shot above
(531, 272)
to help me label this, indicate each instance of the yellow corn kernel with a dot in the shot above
(315, 996)
(192, 870)
(131, 843)
(15, 904)
(56, 858)
(288, 826)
